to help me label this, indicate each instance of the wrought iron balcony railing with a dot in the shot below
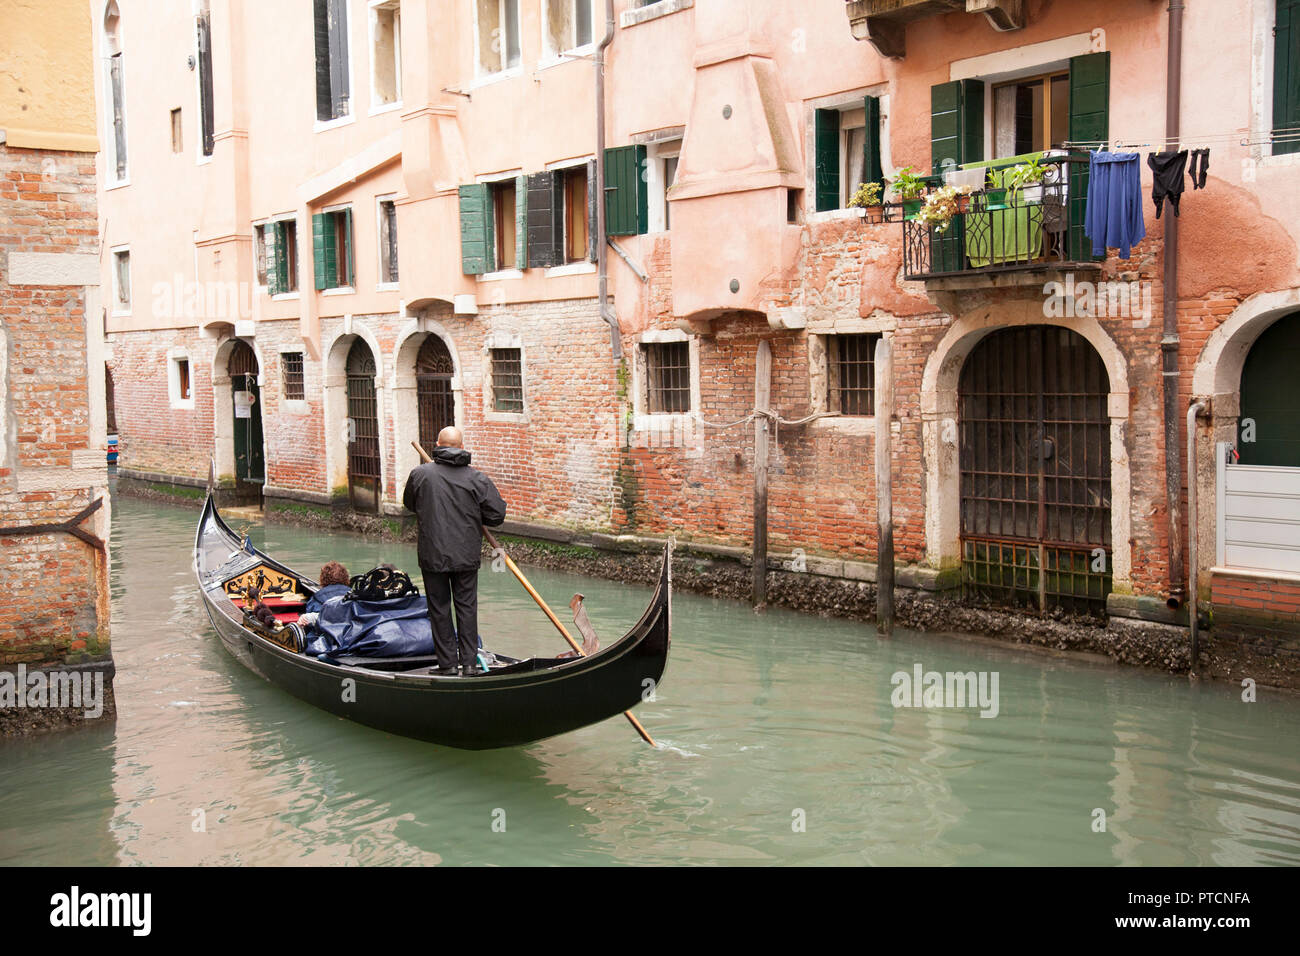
(1007, 228)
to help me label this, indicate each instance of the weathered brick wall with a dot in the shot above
(55, 586)
(1257, 610)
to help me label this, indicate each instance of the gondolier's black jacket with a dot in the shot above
(453, 501)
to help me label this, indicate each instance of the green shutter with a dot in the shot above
(477, 254)
(545, 198)
(319, 240)
(627, 209)
(521, 222)
(270, 242)
(826, 137)
(1090, 98)
(1089, 123)
(872, 172)
(347, 260)
(1286, 77)
(956, 124)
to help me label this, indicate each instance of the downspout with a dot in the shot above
(602, 253)
(1169, 340)
(1192, 522)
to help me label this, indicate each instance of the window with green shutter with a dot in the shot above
(872, 171)
(956, 124)
(1286, 78)
(826, 145)
(280, 242)
(477, 242)
(627, 205)
(332, 249)
(268, 272)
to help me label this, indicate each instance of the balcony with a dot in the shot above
(1008, 234)
(884, 22)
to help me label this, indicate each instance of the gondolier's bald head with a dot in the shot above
(450, 437)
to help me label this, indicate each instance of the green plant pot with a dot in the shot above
(912, 208)
(995, 198)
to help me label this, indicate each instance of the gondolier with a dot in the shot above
(452, 502)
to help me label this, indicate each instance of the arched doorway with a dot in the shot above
(435, 399)
(250, 461)
(363, 429)
(1268, 430)
(1035, 470)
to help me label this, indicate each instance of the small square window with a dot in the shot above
(507, 380)
(852, 378)
(293, 384)
(668, 377)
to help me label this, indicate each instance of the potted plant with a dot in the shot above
(866, 197)
(1026, 181)
(995, 194)
(942, 204)
(909, 188)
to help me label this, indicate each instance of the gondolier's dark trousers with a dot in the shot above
(459, 644)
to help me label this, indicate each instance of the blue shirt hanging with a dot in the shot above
(1114, 214)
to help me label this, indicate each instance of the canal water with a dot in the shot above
(780, 745)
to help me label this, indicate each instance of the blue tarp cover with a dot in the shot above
(398, 627)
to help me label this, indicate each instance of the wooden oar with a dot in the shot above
(514, 569)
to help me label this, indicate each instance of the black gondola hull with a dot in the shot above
(525, 702)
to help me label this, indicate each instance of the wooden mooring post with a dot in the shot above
(762, 401)
(884, 488)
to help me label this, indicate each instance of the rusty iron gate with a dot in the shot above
(363, 429)
(437, 404)
(1035, 471)
(250, 461)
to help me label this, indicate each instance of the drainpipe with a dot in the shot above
(602, 253)
(1169, 340)
(1192, 522)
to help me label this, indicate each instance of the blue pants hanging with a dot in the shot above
(1114, 213)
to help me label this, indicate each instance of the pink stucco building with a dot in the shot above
(372, 218)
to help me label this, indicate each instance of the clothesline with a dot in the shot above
(1242, 137)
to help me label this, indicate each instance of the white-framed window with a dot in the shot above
(505, 397)
(121, 280)
(180, 379)
(114, 96)
(332, 250)
(203, 76)
(333, 64)
(386, 218)
(292, 381)
(841, 148)
(568, 26)
(496, 36)
(385, 55)
(666, 385)
(276, 256)
(660, 174)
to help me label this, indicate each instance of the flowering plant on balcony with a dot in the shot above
(942, 204)
(865, 196)
(907, 185)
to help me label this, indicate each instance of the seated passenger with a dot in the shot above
(333, 586)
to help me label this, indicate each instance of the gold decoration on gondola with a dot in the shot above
(268, 581)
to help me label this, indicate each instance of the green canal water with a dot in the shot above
(780, 745)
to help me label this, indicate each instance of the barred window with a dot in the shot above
(668, 376)
(507, 380)
(853, 374)
(293, 385)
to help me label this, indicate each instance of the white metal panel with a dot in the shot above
(1259, 517)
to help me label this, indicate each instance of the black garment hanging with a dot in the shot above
(1196, 173)
(1168, 171)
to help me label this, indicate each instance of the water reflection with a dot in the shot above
(768, 721)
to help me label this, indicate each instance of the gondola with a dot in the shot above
(514, 702)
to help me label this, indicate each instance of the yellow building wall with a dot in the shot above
(47, 87)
